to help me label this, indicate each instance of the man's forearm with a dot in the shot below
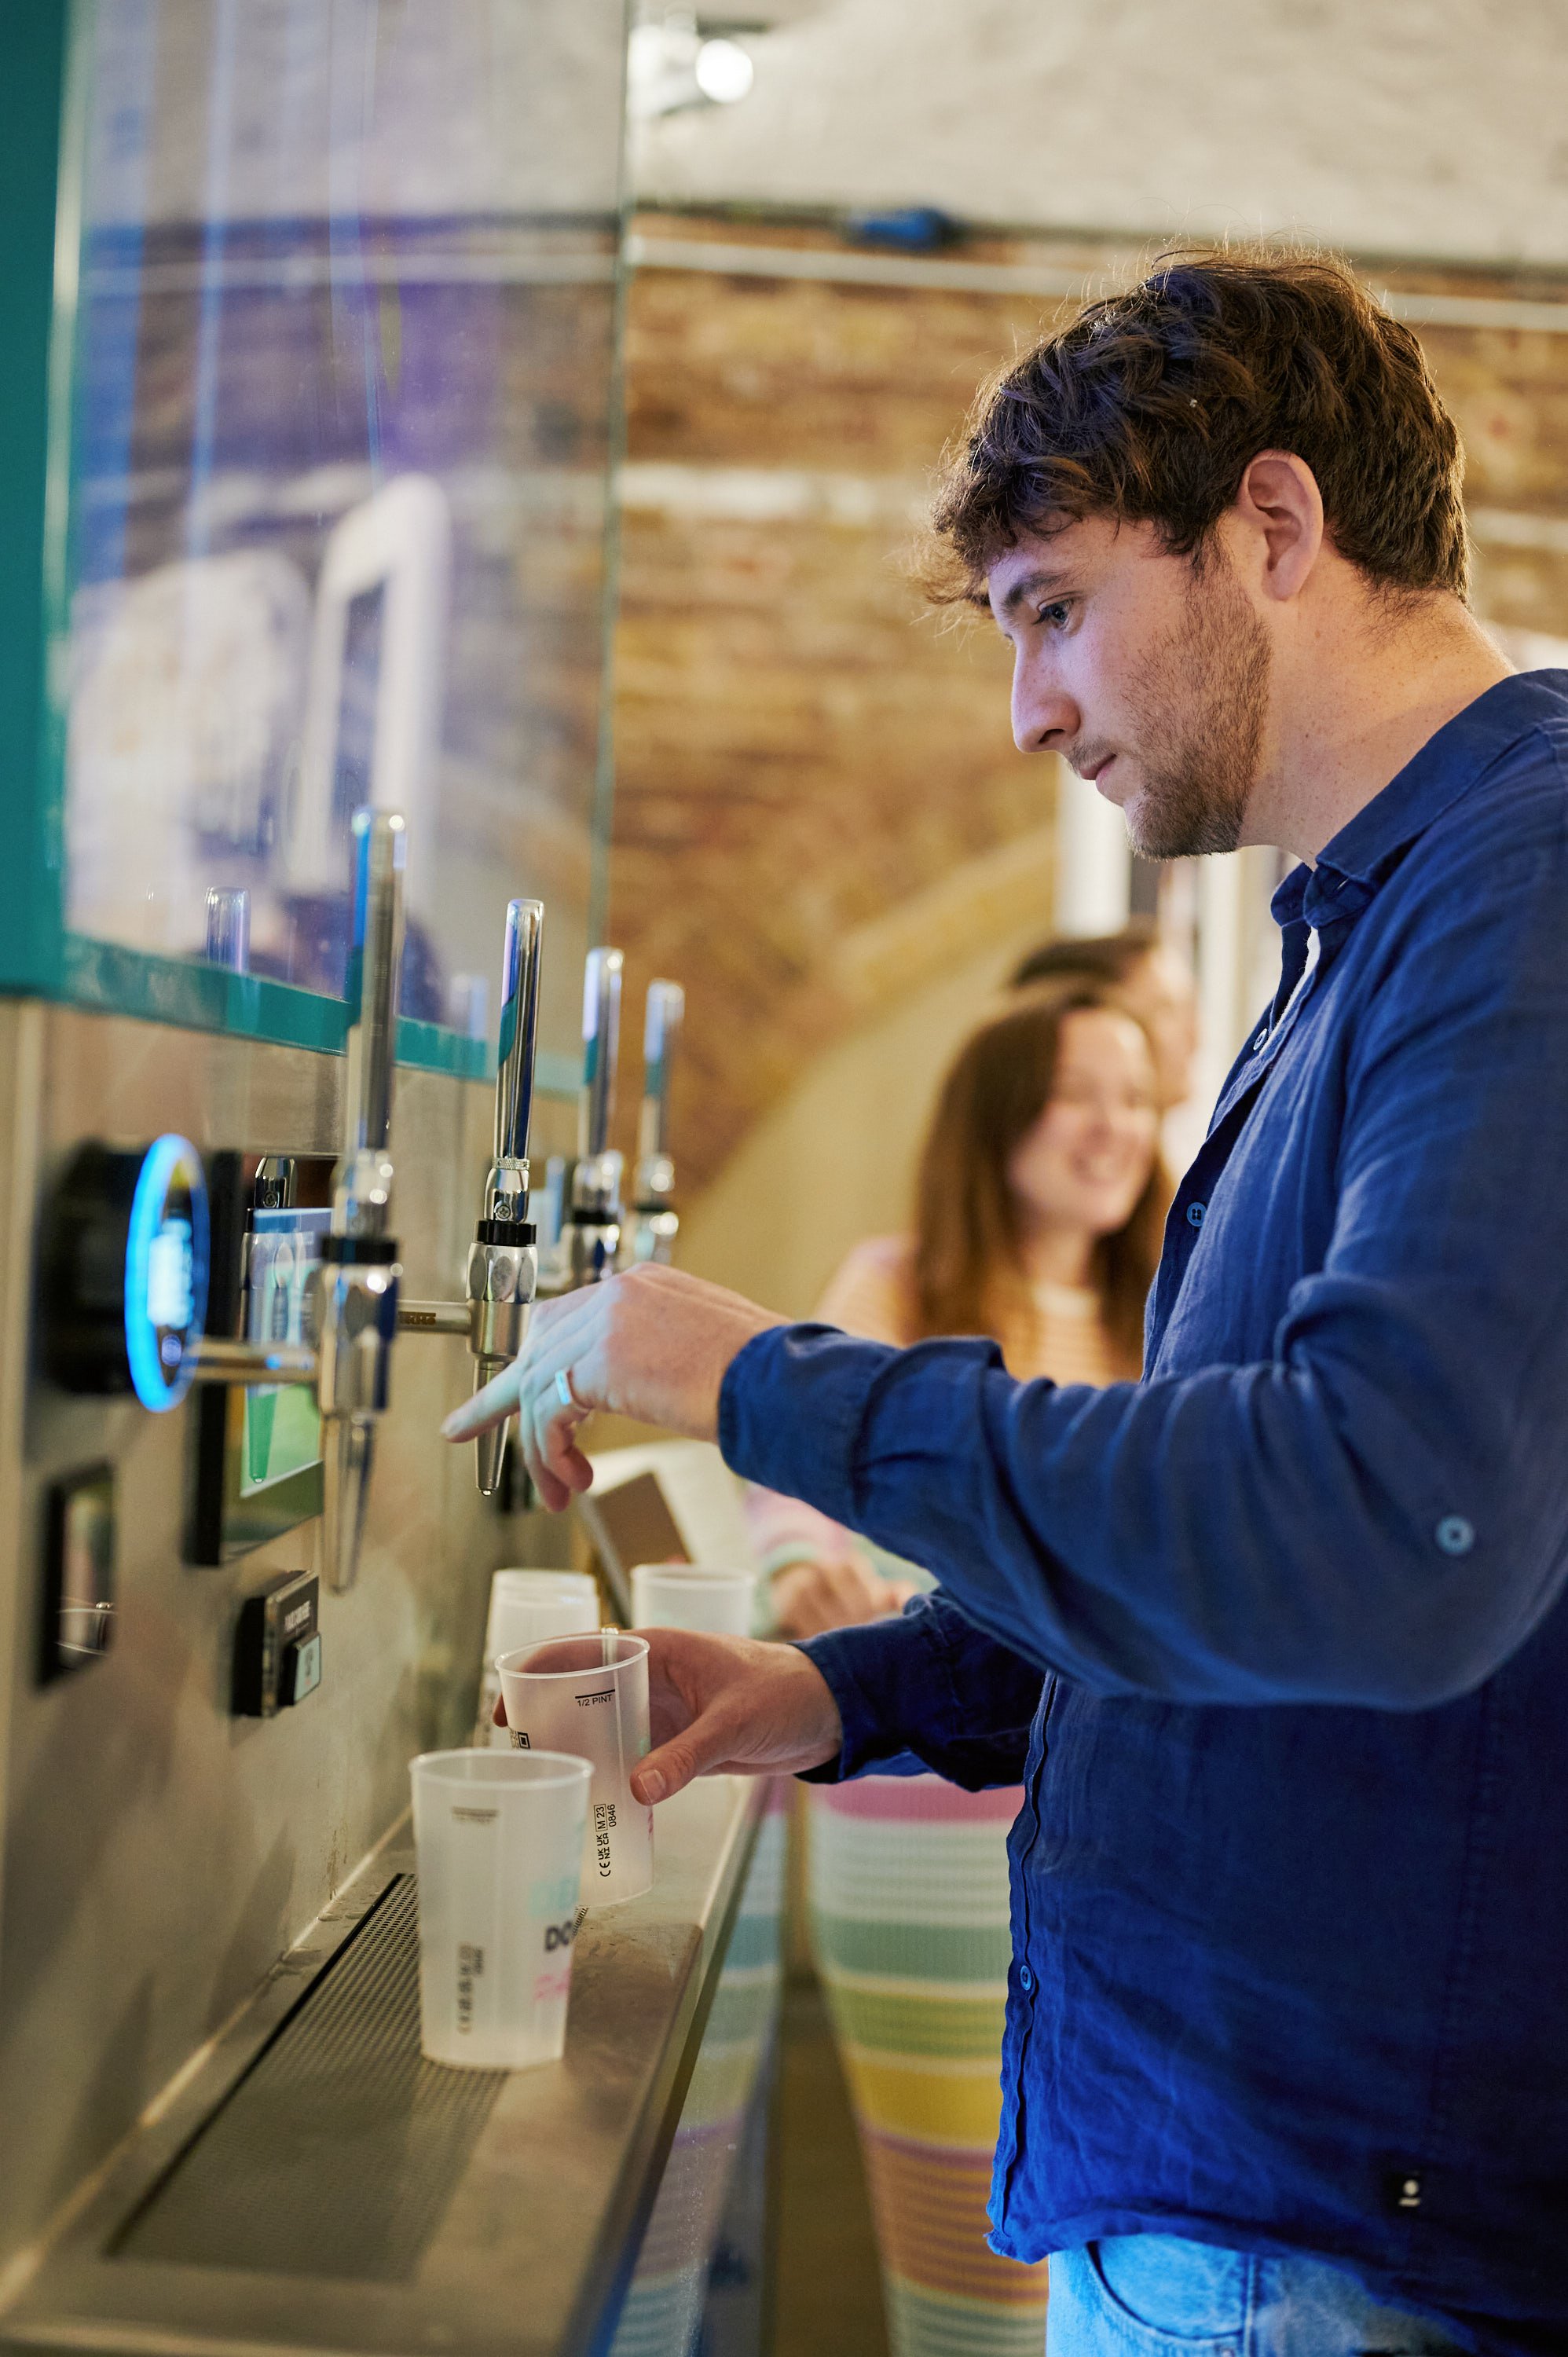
(1138, 1539)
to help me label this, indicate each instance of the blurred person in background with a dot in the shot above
(1038, 1209)
(1148, 975)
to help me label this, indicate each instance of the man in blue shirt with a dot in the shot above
(1274, 1639)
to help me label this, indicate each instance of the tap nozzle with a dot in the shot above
(596, 1217)
(503, 1261)
(354, 1293)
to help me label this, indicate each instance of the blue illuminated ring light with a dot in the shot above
(166, 1272)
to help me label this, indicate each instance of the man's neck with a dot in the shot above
(1352, 704)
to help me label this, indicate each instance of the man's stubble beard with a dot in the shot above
(1204, 690)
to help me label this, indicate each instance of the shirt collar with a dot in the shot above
(1359, 860)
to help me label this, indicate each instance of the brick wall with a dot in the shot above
(801, 753)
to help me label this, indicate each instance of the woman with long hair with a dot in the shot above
(1038, 1209)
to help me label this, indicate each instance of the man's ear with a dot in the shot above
(1279, 509)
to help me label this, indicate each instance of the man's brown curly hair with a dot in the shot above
(1150, 406)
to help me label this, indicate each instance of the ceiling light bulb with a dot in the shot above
(725, 72)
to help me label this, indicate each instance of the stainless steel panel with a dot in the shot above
(529, 2217)
(339, 2150)
(159, 1855)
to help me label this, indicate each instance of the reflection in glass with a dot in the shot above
(344, 368)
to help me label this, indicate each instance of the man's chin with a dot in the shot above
(1181, 825)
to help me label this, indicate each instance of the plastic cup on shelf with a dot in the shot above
(589, 1695)
(526, 1607)
(500, 1843)
(693, 1595)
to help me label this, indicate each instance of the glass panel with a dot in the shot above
(345, 380)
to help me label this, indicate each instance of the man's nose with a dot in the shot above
(1045, 718)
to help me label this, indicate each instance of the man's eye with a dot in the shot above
(1053, 616)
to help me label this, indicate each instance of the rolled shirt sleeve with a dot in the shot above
(1369, 1505)
(927, 1689)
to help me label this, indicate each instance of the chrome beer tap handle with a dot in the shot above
(654, 1223)
(506, 1188)
(503, 1262)
(594, 1232)
(354, 1296)
(361, 1183)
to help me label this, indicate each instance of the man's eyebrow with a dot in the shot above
(1043, 577)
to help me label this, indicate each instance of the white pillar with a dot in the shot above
(1094, 860)
(1220, 960)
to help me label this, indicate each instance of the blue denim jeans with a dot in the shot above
(1161, 2295)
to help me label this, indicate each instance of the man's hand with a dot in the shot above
(729, 1707)
(651, 1343)
(821, 1592)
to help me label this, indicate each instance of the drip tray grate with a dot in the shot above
(339, 2151)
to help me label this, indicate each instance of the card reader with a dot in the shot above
(277, 1646)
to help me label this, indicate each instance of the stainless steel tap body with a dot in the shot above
(353, 1321)
(593, 1232)
(502, 1282)
(594, 1251)
(650, 1236)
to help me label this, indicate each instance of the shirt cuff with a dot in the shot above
(790, 1410)
(879, 1674)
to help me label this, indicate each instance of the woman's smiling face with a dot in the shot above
(1087, 1158)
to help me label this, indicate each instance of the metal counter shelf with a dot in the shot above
(314, 2185)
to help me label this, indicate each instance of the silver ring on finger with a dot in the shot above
(565, 1393)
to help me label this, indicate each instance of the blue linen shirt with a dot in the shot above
(1276, 1639)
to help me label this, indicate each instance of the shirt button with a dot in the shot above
(1455, 1535)
(1196, 1214)
(1025, 1980)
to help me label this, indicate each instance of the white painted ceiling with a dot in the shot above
(1420, 127)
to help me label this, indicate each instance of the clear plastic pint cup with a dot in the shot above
(526, 1607)
(499, 1837)
(589, 1696)
(693, 1595)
